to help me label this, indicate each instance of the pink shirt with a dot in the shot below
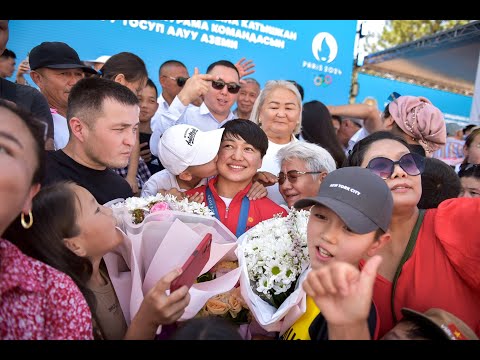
(38, 302)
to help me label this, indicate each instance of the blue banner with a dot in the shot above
(455, 107)
(318, 54)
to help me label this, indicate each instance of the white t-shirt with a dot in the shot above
(271, 164)
(164, 180)
(60, 134)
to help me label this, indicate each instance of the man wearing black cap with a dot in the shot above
(55, 68)
(349, 220)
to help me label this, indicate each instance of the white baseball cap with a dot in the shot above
(101, 59)
(185, 145)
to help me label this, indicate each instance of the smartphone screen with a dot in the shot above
(194, 264)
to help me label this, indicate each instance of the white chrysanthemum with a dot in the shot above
(145, 203)
(276, 252)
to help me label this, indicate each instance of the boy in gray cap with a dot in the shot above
(349, 220)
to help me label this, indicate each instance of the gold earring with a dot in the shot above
(30, 221)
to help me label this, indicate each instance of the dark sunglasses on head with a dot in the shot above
(232, 88)
(180, 80)
(293, 175)
(413, 164)
(393, 96)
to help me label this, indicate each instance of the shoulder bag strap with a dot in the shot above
(406, 255)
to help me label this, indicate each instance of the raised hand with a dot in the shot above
(195, 87)
(245, 67)
(342, 292)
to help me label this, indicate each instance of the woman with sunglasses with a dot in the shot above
(434, 255)
(278, 111)
(303, 167)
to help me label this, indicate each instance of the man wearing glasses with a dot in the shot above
(218, 89)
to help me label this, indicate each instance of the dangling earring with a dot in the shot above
(259, 122)
(30, 221)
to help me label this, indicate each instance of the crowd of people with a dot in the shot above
(391, 194)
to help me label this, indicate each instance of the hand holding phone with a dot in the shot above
(194, 264)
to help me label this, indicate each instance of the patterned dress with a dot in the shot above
(38, 302)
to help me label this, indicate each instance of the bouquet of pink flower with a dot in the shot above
(163, 240)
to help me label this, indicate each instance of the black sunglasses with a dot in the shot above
(413, 164)
(293, 175)
(180, 80)
(232, 88)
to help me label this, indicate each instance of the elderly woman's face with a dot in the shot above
(280, 113)
(299, 185)
(406, 189)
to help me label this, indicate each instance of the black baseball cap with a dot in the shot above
(359, 197)
(56, 55)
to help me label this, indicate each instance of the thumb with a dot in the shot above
(369, 271)
(195, 71)
(164, 283)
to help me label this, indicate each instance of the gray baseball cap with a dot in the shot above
(359, 197)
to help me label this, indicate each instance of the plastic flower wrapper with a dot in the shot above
(273, 257)
(160, 243)
(230, 304)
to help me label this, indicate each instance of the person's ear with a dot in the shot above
(465, 151)
(27, 206)
(156, 106)
(120, 78)
(74, 245)
(378, 244)
(35, 76)
(77, 128)
(185, 175)
(388, 123)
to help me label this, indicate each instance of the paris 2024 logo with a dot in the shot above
(324, 47)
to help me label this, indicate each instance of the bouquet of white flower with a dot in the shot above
(273, 255)
(139, 207)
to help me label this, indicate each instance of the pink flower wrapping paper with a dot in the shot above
(163, 241)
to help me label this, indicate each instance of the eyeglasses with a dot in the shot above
(180, 80)
(293, 175)
(413, 164)
(232, 88)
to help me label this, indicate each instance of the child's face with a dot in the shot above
(98, 234)
(238, 161)
(330, 239)
(148, 103)
(206, 170)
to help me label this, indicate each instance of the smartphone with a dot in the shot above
(194, 264)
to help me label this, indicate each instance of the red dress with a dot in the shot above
(444, 269)
(38, 302)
